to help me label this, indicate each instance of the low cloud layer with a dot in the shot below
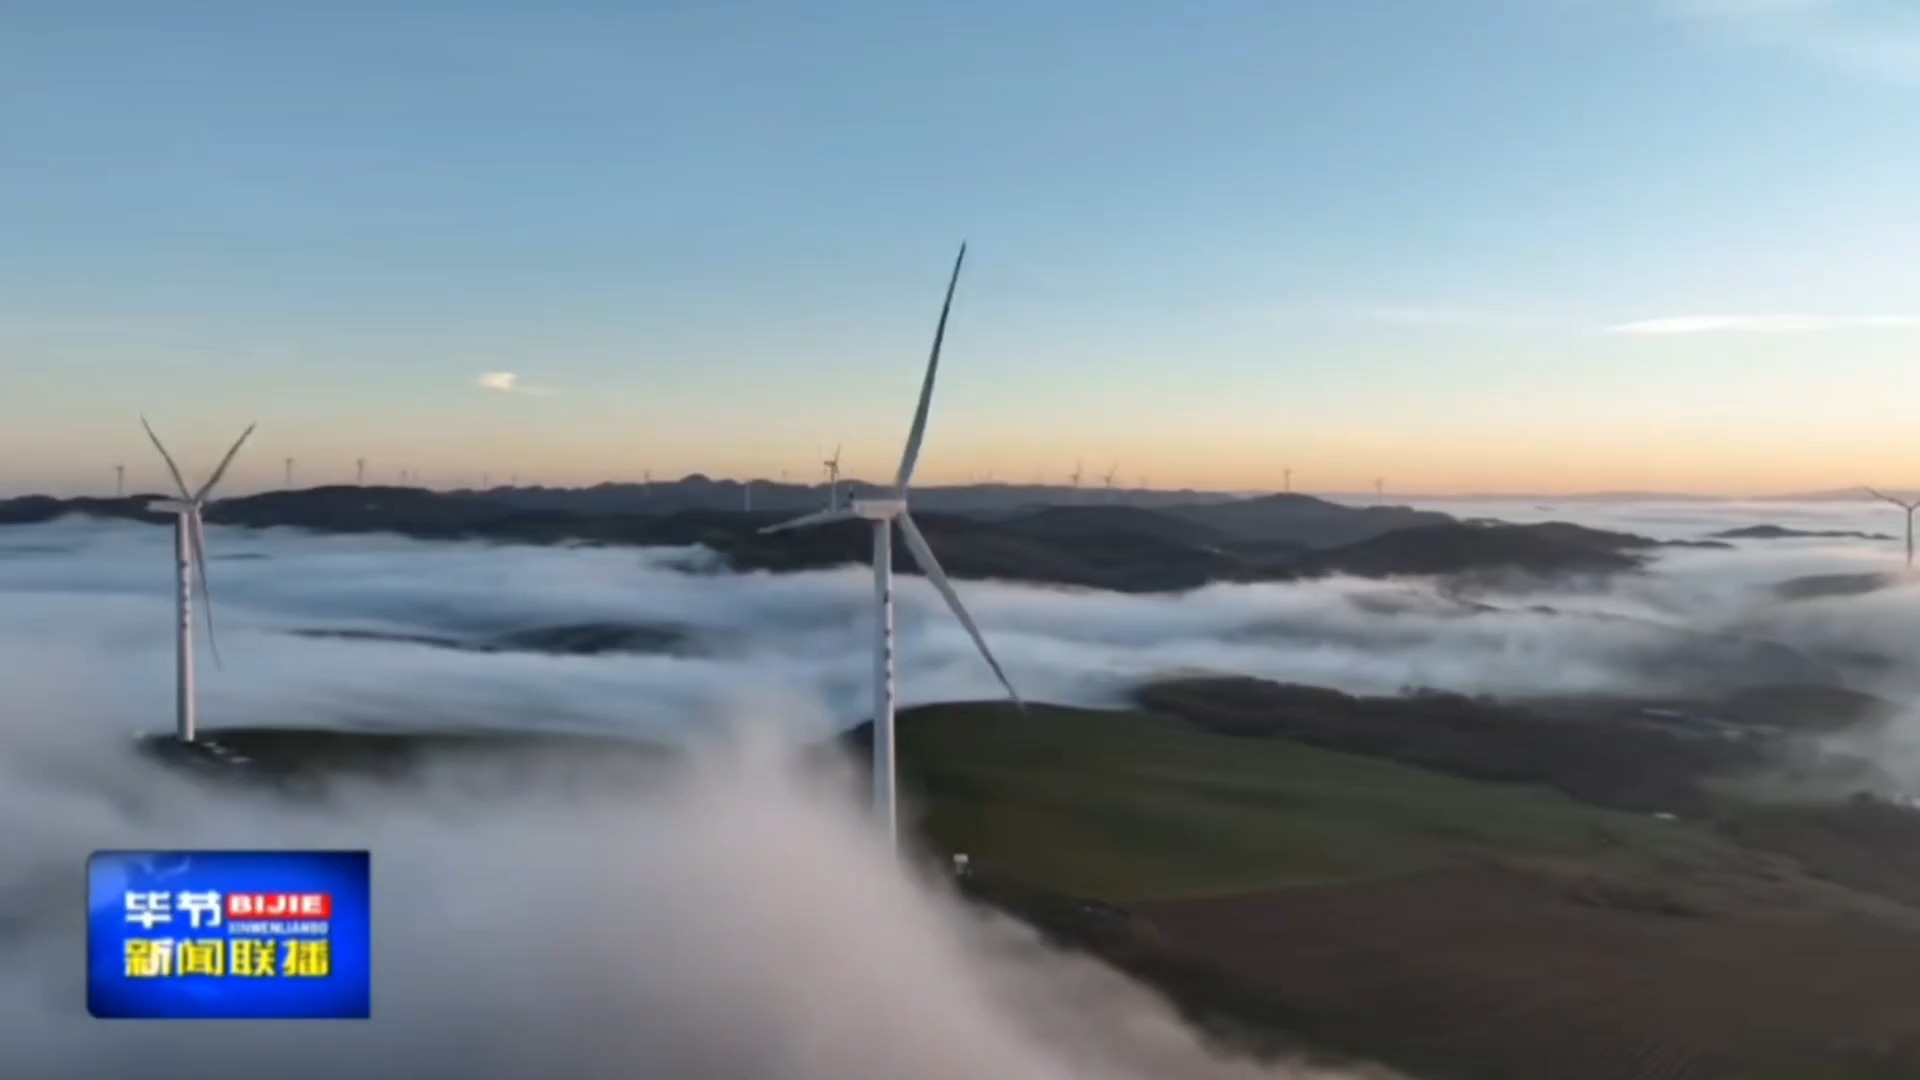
(742, 923)
(95, 595)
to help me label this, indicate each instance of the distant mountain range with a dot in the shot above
(1130, 548)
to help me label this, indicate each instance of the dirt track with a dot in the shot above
(1502, 974)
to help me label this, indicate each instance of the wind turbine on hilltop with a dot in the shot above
(885, 513)
(189, 563)
(1075, 480)
(1107, 481)
(833, 479)
(360, 471)
(119, 481)
(1909, 507)
(289, 474)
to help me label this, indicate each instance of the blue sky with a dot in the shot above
(1476, 245)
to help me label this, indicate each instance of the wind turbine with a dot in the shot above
(189, 563)
(1287, 481)
(120, 481)
(289, 474)
(884, 513)
(360, 471)
(1112, 471)
(1909, 507)
(833, 479)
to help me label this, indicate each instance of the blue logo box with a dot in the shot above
(230, 935)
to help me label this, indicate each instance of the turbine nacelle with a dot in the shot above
(878, 509)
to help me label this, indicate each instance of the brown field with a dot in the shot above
(1502, 973)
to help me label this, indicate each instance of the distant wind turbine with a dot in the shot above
(833, 479)
(1909, 507)
(120, 481)
(190, 562)
(884, 513)
(1286, 483)
(289, 474)
(1075, 480)
(360, 471)
(1112, 471)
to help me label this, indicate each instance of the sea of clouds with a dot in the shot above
(739, 922)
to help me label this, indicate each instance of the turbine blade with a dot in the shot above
(171, 467)
(224, 462)
(818, 517)
(197, 538)
(919, 430)
(930, 566)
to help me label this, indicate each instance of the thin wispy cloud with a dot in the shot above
(1877, 39)
(1762, 324)
(507, 382)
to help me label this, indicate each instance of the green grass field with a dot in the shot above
(1673, 929)
(1129, 806)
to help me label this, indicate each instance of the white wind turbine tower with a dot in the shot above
(833, 479)
(360, 471)
(884, 513)
(189, 563)
(289, 474)
(1112, 471)
(120, 481)
(1909, 507)
(1075, 479)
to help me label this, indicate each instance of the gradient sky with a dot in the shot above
(1488, 245)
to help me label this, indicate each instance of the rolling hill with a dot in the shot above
(1117, 547)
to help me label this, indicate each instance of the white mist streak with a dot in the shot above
(740, 923)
